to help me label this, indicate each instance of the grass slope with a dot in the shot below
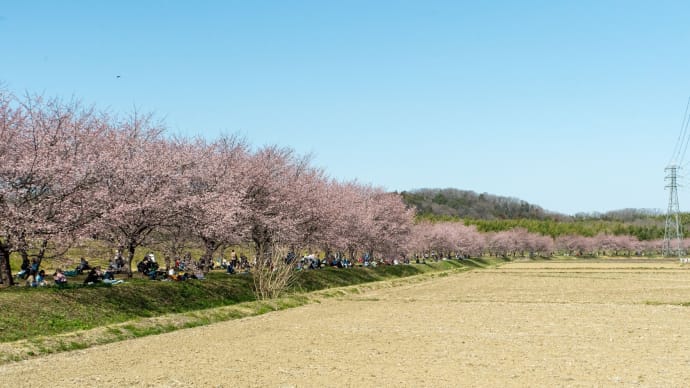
(44, 321)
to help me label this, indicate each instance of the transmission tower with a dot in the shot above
(672, 230)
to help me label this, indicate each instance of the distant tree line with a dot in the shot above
(454, 203)
(643, 230)
(490, 213)
(456, 240)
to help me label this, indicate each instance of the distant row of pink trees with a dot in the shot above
(454, 239)
(70, 173)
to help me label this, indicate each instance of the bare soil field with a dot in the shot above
(568, 323)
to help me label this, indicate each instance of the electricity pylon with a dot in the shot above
(672, 230)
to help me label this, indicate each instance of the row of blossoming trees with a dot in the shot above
(69, 173)
(453, 239)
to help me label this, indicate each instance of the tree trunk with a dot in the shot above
(42, 252)
(25, 255)
(262, 241)
(131, 247)
(259, 247)
(6, 279)
(211, 247)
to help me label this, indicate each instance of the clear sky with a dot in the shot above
(575, 106)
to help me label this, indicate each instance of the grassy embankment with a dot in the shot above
(38, 321)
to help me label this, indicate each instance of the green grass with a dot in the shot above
(28, 313)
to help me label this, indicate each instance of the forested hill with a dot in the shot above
(492, 213)
(465, 204)
(452, 203)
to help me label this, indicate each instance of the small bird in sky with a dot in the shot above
(117, 76)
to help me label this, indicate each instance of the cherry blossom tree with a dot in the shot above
(284, 203)
(386, 222)
(48, 169)
(420, 241)
(472, 243)
(210, 201)
(278, 198)
(500, 243)
(445, 238)
(316, 213)
(652, 247)
(616, 245)
(334, 225)
(574, 245)
(141, 187)
(11, 120)
(542, 246)
(448, 238)
(348, 215)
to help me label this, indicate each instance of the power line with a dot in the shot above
(682, 143)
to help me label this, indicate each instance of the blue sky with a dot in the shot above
(575, 106)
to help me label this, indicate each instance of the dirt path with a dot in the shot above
(515, 326)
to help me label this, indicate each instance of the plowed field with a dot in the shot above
(585, 323)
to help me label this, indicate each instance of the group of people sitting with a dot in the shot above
(148, 266)
(183, 269)
(94, 274)
(97, 275)
(312, 261)
(82, 266)
(235, 264)
(36, 277)
(30, 272)
(117, 264)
